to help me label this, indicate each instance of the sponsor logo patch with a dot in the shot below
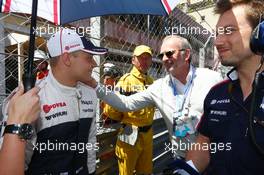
(88, 110)
(223, 101)
(222, 113)
(84, 102)
(72, 46)
(58, 114)
(47, 108)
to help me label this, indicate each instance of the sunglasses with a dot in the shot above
(168, 53)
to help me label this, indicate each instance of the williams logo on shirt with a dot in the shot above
(215, 112)
(58, 114)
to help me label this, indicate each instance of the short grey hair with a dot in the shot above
(185, 44)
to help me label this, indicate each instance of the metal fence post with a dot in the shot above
(95, 36)
(2, 64)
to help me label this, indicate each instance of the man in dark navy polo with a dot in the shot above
(224, 145)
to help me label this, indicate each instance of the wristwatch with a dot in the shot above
(24, 131)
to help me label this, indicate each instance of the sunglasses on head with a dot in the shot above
(168, 53)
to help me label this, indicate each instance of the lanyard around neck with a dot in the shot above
(187, 90)
(189, 83)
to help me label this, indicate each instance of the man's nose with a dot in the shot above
(219, 40)
(165, 58)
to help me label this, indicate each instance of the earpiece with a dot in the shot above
(257, 39)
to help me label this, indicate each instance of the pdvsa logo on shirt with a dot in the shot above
(213, 102)
(47, 108)
(223, 101)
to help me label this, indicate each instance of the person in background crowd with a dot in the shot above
(41, 60)
(111, 74)
(134, 150)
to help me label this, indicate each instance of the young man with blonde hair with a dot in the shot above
(65, 137)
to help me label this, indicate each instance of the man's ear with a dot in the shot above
(66, 59)
(187, 54)
(133, 60)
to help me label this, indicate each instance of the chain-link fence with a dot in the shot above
(119, 33)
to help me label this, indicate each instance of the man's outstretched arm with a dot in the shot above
(123, 103)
